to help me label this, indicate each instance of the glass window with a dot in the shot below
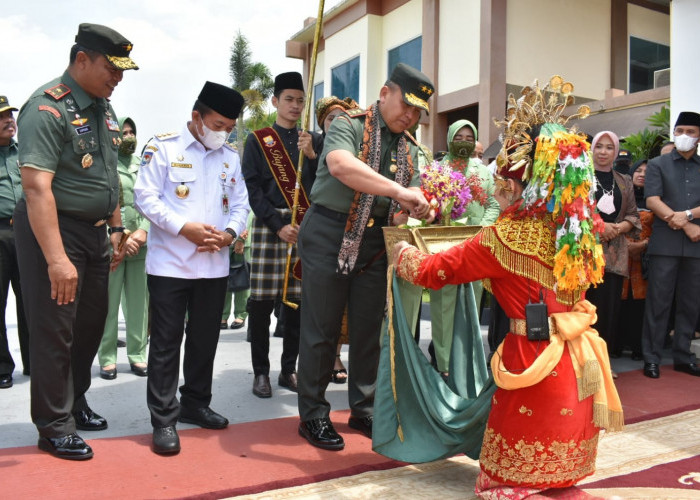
(318, 93)
(407, 53)
(645, 58)
(345, 80)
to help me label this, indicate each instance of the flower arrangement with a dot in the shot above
(446, 190)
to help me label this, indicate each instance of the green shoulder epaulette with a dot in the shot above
(58, 92)
(356, 112)
(167, 135)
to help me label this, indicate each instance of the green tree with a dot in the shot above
(253, 80)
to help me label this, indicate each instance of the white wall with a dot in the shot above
(343, 46)
(648, 24)
(685, 40)
(571, 39)
(459, 39)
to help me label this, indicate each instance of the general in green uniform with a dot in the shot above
(68, 159)
(127, 283)
(368, 172)
(10, 194)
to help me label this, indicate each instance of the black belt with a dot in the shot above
(95, 223)
(5, 221)
(331, 214)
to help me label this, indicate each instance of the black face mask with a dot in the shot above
(462, 149)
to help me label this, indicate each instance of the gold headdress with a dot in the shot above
(535, 106)
(560, 178)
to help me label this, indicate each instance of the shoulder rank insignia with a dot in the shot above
(231, 146)
(356, 112)
(167, 135)
(58, 92)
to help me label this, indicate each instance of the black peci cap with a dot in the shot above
(415, 86)
(688, 118)
(222, 99)
(107, 42)
(291, 80)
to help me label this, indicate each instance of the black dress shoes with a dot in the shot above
(5, 381)
(166, 441)
(203, 417)
(689, 368)
(651, 370)
(320, 433)
(139, 371)
(121, 343)
(223, 325)
(261, 386)
(88, 420)
(110, 374)
(362, 424)
(70, 447)
(288, 380)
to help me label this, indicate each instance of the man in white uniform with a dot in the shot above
(191, 189)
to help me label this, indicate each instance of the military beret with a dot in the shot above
(291, 80)
(107, 42)
(688, 118)
(5, 105)
(222, 99)
(416, 88)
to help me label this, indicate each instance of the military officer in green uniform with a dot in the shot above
(127, 283)
(367, 173)
(68, 162)
(10, 194)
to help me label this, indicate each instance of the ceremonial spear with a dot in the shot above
(304, 125)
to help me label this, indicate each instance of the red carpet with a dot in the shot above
(261, 456)
(644, 398)
(244, 458)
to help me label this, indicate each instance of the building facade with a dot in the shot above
(616, 52)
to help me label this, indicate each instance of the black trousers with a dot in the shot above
(63, 340)
(170, 299)
(607, 297)
(259, 327)
(666, 275)
(631, 322)
(9, 274)
(325, 295)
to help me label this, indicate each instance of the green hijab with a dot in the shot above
(452, 131)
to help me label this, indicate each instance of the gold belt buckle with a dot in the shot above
(370, 222)
(100, 223)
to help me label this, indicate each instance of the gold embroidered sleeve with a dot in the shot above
(410, 261)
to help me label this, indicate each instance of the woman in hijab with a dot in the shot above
(617, 207)
(634, 288)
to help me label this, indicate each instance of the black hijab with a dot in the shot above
(638, 191)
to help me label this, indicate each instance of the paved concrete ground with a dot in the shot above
(123, 400)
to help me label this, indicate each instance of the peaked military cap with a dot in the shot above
(688, 118)
(415, 86)
(291, 80)
(107, 42)
(5, 105)
(222, 99)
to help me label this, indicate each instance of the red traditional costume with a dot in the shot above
(553, 395)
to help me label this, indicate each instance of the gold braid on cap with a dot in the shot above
(535, 106)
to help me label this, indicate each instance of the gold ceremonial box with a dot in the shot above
(429, 239)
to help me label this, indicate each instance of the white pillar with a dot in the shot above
(685, 70)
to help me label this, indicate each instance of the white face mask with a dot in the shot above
(212, 139)
(684, 142)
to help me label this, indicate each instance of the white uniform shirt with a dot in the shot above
(216, 195)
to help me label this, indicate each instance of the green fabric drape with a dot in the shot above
(437, 420)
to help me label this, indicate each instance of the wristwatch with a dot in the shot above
(115, 229)
(689, 215)
(232, 233)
